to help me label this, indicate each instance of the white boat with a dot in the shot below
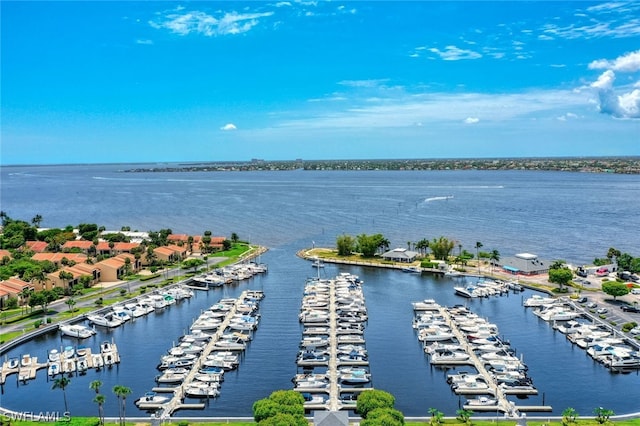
(54, 368)
(108, 320)
(448, 356)
(82, 364)
(54, 355)
(552, 313)
(202, 390)
(97, 361)
(425, 305)
(354, 377)
(317, 263)
(482, 401)
(172, 375)
(469, 291)
(537, 300)
(151, 398)
(77, 330)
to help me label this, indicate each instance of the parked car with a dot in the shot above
(635, 291)
(635, 330)
(629, 308)
(591, 305)
(602, 311)
(582, 300)
(602, 271)
(581, 273)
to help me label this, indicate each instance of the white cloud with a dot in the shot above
(626, 104)
(471, 120)
(208, 25)
(282, 3)
(144, 41)
(605, 81)
(228, 126)
(453, 53)
(567, 116)
(625, 63)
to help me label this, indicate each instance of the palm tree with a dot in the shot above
(478, 246)
(121, 393)
(99, 399)
(494, 257)
(62, 383)
(95, 385)
(71, 303)
(36, 220)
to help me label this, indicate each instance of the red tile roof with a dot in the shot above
(57, 257)
(81, 244)
(37, 246)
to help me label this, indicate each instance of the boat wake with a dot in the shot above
(428, 200)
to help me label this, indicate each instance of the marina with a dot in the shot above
(195, 370)
(466, 339)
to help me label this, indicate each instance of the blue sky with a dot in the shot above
(102, 82)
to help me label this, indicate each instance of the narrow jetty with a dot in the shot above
(436, 325)
(176, 402)
(333, 355)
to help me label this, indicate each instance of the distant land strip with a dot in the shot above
(620, 165)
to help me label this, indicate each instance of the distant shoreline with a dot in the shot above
(612, 165)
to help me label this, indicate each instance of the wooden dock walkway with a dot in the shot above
(499, 393)
(177, 401)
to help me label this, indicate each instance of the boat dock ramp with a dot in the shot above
(68, 360)
(332, 356)
(457, 337)
(229, 336)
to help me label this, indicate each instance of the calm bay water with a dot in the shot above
(557, 215)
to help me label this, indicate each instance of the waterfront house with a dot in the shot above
(525, 264)
(13, 287)
(37, 246)
(82, 245)
(115, 268)
(5, 253)
(57, 258)
(400, 255)
(104, 247)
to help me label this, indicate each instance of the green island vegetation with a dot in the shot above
(47, 282)
(623, 165)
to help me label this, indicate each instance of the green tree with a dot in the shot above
(560, 276)
(368, 244)
(615, 288)
(281, 402)
(369, 400)
(441, 247)
(70, 303)
(62, 383)
(464, 415)
(226, 244)
(436, 416)
(383, 417)
(478, 247)
(99, 399)
(345, 244)
(192, 263)
(234, 237)
(37, 219)
(569, 415)
(121, 393)
(602, 415)
(284, 419)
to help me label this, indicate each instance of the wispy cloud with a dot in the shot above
(471, 120)
(229, 126)
(144, 41)
(228, 23)
(612, 19)
(453, 53)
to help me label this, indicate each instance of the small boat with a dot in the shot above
(54, 368)
(354, 377)
(13, 363)
(77, 330)
(482, 401)
(152, 398)
(537, 300)
(109, 320)
(97, 361)
(82, 364)
(54, 355)
(202, 390)
(317, 263)
(26, 361)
